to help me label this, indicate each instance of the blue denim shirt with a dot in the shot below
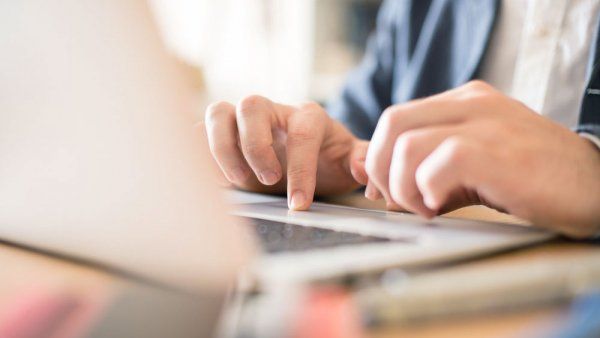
(424, 47)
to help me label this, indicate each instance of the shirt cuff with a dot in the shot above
(592, 138)
(596, 141)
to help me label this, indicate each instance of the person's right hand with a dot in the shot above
(269, 147)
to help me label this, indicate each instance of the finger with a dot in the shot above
(389, 202)
(306, 129)
(357, 162)
(451, 107)
(221, 131)
(411, 148)
(255, 118)
(221, 179)
(450, 168)
(372, 193)
(392, 206)
(461, 104)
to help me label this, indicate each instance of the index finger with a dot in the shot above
(306, 129)
(443, 109)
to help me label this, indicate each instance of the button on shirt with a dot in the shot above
(539, 54)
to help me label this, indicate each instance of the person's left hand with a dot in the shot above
(474, 145)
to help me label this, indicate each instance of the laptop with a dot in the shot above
(332, 241)
(99, 160)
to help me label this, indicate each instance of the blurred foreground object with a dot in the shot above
(99, 158)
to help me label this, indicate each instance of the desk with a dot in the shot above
(490, 325)
(504, 324)
(22, 268)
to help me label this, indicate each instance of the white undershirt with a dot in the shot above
(539, 54)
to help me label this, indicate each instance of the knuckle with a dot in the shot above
(300, 134)
(478, 85)
(456, 149)
(254, 149)
(407, 145)
(312, 112)
(389, 115)
(215, 109)
(250, 104)
(424, 179)
(388, 120)
(312, 107)
(300, 173)
(478, 92)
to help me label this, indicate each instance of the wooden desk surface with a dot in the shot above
(23, 269)
(510, 324)
(538, 319)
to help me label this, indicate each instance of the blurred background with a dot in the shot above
(288, 50)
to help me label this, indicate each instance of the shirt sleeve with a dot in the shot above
(590, 132)
(595, 139)
(592, 138)
(368, 89)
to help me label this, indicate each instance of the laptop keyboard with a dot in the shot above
(284, 237)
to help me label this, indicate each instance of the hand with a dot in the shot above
(268, 147)
(474, 145)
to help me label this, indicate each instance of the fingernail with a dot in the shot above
(430, 202)
(269, 177)
(298, 200)
(369, 192)
(433, 214)
(393, 207)
(237, 175)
